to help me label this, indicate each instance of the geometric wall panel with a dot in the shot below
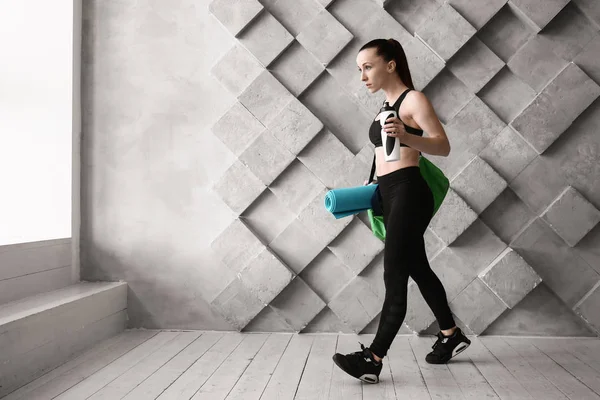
(508, 80)
(571, 216)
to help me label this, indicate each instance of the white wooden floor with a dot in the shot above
(141, 364)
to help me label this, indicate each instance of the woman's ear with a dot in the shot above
(391, 66)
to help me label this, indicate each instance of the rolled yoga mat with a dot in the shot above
(348, 201)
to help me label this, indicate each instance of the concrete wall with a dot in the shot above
(212, 132)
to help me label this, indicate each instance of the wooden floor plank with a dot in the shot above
(532, 380)
(254, 380)
(158, 382)
(584, 350)
(218, 386)
(194, 377)
(469, 379)
(500, 379)
(316, 378)
(562, 379)
(286, 377)
(112, 371)
(83, 371)
(439, 379)
(580, 370)
(128, 381)
(344, 386)
(409, 382)
(384, 390)
(88, 356)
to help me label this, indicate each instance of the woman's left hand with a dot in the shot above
(395, 128)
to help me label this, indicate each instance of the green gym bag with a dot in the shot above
(436, 180)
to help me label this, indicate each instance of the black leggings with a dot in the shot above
(407, 210)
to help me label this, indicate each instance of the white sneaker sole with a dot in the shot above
(369, 378)
(459, 349)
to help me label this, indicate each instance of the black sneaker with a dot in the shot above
(360, 365)
(447, 347)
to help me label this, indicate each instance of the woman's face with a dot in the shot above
(373, 69)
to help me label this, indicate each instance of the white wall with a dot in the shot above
(36, 119)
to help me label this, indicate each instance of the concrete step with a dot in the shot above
(41, 332)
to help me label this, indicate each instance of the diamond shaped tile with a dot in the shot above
(510, 277)
(235, 15)
(508, 154)
(238, 187)
(356, 246)
(296, 187)
(453, 218)
(265, 98)
(571, 216)
(540, 16)
(320, 222)
(559, 266)
(412, 13)
(570, 32)
(237, 305)
(237, 128)
(236, 246)
(294, 14)
(237, 69)
(469, 132)
(475, 64)
(338, 111)
(507, 95)
(326, 275)
(295, 126)
(296, 69)
(478, 184)
(325, 157)
(298, 304)
(356, 305)
(480, 15)
(424, 64)
(266, 29)
(477, 306)
(357, 169)
(448, 95)
(266, 157)
(433, 244)
(446, 31)
(507, 215)
(296, 246)
(267, 217)
(557, 106)
(265, 276)
(324, 37)
(538, 184)
(505, 33)
(535, 63)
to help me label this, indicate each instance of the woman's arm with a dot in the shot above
(422, 112)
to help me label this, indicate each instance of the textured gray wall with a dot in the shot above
(212, 132)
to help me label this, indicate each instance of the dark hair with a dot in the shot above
(391, 49)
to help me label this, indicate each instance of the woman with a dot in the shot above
(407, 210)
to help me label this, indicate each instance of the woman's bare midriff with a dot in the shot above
(408, 158)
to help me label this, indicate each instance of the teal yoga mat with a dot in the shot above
(348, 201)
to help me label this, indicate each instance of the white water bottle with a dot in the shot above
(391, 145)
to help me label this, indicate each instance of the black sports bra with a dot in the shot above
(375, 128)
